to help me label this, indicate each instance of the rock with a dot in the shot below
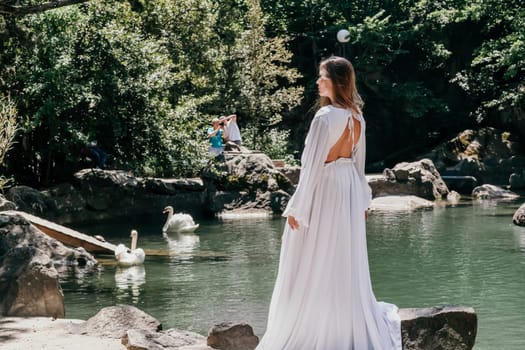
(29, 284)
(517, 180)
(5, 204)
(492, 192)
(16, 231)
(172, 339)
(173, 186)
(115, 321)
(67, 201)
(29, 259)
(488, 154)
(420, 179)
(292, 173)
(519, 216)
(229, 336)
(399, 203)
(32, 201)
(453, 197)
(244, 181)
(107, 194)
(446, 328)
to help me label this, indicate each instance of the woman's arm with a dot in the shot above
(312, 162)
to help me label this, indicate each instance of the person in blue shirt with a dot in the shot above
(216, 134)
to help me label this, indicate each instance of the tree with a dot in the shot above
(10, 7)
(264, 83)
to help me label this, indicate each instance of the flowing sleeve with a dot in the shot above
(312, 161)
(360, 158)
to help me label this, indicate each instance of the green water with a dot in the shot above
(471, 255)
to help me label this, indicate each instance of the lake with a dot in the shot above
(470, 254)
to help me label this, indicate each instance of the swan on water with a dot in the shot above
(179, 222)
(127, 257)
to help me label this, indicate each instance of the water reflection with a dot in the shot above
(470, 254)
(182, 245)
(128, 281)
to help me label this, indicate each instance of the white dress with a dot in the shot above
(323, 298)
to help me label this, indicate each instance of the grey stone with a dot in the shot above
(419, 178)
(519, 216)
(399, 203)
(32, 201)
(244, 181)
(172, 339)
(230, 336)
(29, 284)
(30, 265)
(292, 173)
(115, 321)
(5, 204)
(17, 231)
(517, 180)
(488, 154)
(443, 328)
(488, 191)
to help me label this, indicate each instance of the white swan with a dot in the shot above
(178, 223)
(126, 257)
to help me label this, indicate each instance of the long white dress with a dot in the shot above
(323, 298)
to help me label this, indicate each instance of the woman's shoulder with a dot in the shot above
(329, 110)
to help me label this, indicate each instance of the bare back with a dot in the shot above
(345, 145)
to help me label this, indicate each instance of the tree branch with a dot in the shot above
(27, 9)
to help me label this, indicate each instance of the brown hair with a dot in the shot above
(341, 73)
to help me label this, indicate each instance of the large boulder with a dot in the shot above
(110, 194)
(115, 321)
(245, 182)
(419, 178)
(445, 328)
(97, 195)
(29, 284)
(519, 216)
(16, 231)
(488, 191)
(488, 154)
(32, 201)
(399, 203)
(30, 265)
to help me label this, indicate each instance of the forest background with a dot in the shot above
(144, 78)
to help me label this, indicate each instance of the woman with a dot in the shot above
(216, 134)
(323, 298)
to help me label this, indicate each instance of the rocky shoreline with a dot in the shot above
(126, 327)
(237, 185)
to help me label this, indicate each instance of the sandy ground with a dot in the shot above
(44, 333)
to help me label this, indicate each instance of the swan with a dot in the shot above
(126, 257)
(179, 222)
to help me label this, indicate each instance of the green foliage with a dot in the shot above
(8, 126)
(497, 71)
(144, 78)
(262, 86)
(272, 142)
(8, 129)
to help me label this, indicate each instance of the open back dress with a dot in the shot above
(323, 297)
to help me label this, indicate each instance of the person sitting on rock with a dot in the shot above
(232, 129)
(216, 135)
(95, 154)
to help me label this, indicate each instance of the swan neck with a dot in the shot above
(134, 242)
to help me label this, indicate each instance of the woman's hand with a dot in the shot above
(294, 224)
